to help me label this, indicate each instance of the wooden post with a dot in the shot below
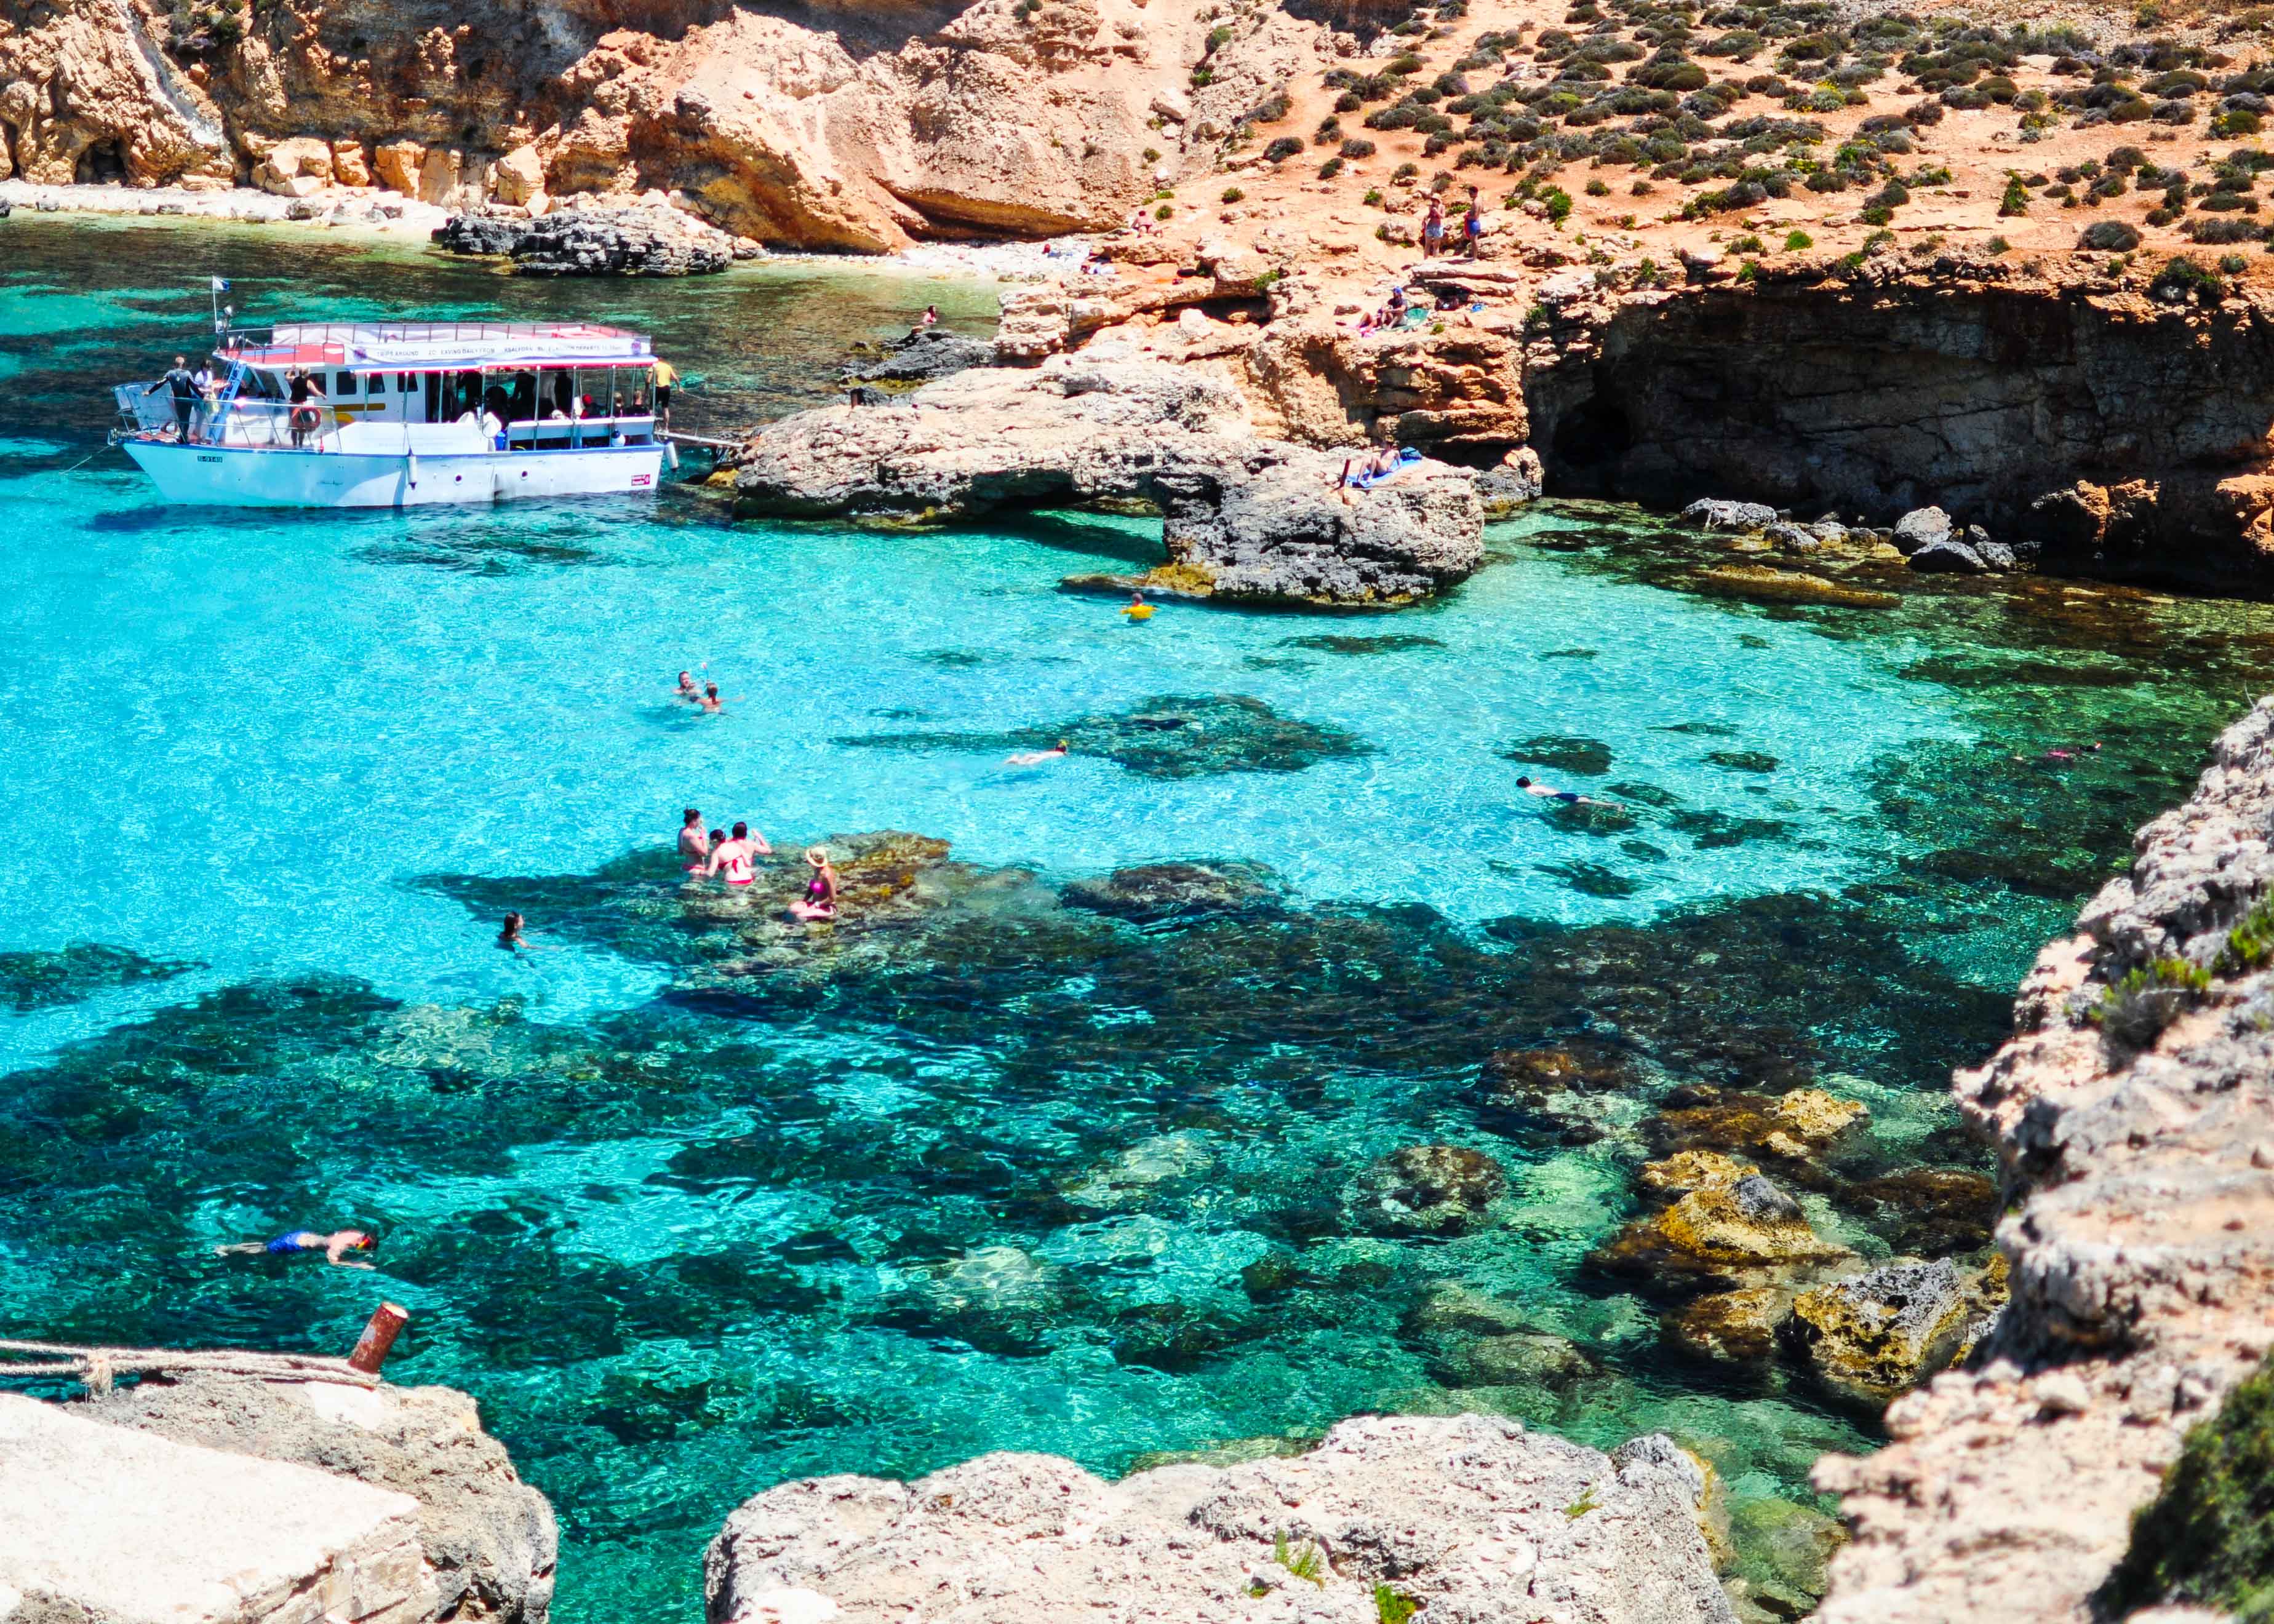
(386, 1323)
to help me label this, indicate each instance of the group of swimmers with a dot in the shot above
(732, 856)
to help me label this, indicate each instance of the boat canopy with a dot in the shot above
(454, 345)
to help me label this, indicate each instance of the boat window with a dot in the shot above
(433, 397)
(344, 383)
(405, 382)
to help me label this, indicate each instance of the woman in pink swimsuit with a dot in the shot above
(731, 857)
(694, 844)
(820, 900)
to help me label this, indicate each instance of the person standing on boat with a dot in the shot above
(208, 390)
(183, 385)
(665, 376)
(307, 412)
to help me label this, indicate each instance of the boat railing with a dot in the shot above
(325, 334)
(315, 426)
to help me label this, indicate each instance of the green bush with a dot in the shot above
(1331, 167)
(1597, 187)
(2109, 236)
(1998, 245)
(1358, 147)
(1795, 241)
(2016, 199)
(2250, 944)
(1232, 194)
(2151, 997)
(2208, 1536)
(1285, 147)
(1558, 204)
(1391, 1607)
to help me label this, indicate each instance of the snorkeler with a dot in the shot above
(1569, 798)
(307, 1240)
(1035, 758)
(732, 856)
(820, 900)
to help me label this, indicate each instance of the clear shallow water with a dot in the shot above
(1042, 1182)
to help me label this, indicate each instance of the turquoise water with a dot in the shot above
(1025, 1178)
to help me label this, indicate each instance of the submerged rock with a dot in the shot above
(1565, 752)
(1470, 1517)
(1168, 736)
(1244, 517)
(1743, 1233)
(1791, 1128)
(1874, 1335)
(1153, 893)
(32, 980)
(1426, 1189)
(1740, 1327)
(489, 1538)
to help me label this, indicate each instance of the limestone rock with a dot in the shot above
(304, 157)
(349, 168)
(923, 356)
(1472, 1516)
(1949, 558)
(489, 1538)
(642, 242)
(1153, 893)
(517, 176)
(1244, 518)
(1426, 1189)
(107, 1525)
(1922, 527)
(397, 165)
(2140, 1256)
(1724, 1237)
(1874, 1335)
(1711, 512)
(1741, 1326)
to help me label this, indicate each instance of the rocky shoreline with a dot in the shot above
(2130, 1113)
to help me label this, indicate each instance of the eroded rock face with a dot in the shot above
(2002, 394)
(1244, 517)
(645, 241)
(2140, 1256)
(489, 1538)
(1875, 1335)
(1473, 1516)
(845, 129)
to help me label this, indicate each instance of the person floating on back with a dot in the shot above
(333, 1246)
(1569, 798)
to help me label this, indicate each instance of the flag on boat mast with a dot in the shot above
(221, 285)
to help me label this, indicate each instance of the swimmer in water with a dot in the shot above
(731, 857)
(1569, 798)
(694, 844)
(820, 900)
(1137, 608)
(1035, 758)
(332, 1247)
(710, 702)
(688, 691)
(513, 935)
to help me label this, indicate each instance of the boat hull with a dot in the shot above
(250, 476)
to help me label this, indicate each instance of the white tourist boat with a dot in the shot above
(397, 414)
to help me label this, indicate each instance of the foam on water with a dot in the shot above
(681, 1252)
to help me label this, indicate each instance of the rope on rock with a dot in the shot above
(97, 1368)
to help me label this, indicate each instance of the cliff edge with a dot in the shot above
(2134, 1115)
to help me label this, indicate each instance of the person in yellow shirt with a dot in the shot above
(665, 375)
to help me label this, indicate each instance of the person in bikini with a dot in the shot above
(694, 844)
(820, 900)
(731, 857)
(710, 701)
(333, 1246)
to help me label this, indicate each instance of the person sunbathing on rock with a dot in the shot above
(1569, 798)
(332, 1245)
(1035, 758)
(820, 900)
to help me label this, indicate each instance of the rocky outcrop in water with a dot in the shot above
(644, 242)
(2130, 1112)
(925, 356)
(1474, 1519)
(2061, 408)
(1244, 518)
(489, 1539)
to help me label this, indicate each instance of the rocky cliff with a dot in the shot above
(1464, 1521)
(2133, 1115)
(2124, 432)
(821, 126)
